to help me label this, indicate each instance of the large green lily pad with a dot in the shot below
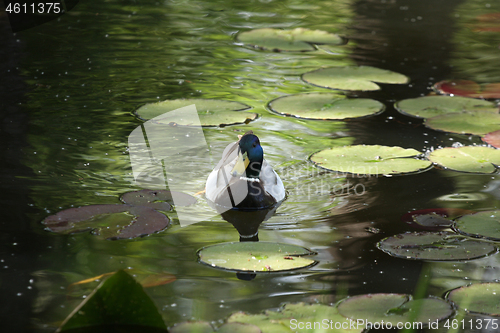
(480, 298)
(371, 160)
(394, 309)
(467, 159)
(256, 256)
(484, 224)
(434, 246)
(325, 106)
(299, 317)
(211, 112)
(468, 122)
(278, 40)
(431, 106)
(353, 78)
(118, 300)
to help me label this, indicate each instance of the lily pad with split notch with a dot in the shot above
(370, 160)
(434, 246)
(467, 122)
(478, 298)
(361, 78)
(476, 159)
(279, 40)
(394, 308)
(256, 257)
(211, 112)
(326, 106)
(485, 224)
(431, 106)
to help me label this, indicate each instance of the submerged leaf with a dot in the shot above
(468, 122)
(485, 224)
(431, 106)
(434, 246)
(480, 298)
(325, 106)
(433, 219)
(475, 159)
(211, 112)
(468, 89)
(371, 160)
(353, 78)
(298, 39)
(256, 256)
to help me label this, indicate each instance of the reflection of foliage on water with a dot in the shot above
(476, 55)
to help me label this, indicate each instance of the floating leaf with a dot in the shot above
(157, 199)
(211, 112)
(434, 246)
(493, 138)
(467, 88)
(484, 224)
(433, 219)
(353, 78)
(192, 327)
(480, 298)
(298, 39)
(468, 122)
(256, 256)
(431, 106)
(393, 309)
(467, 159)
(325, 106)
(371, 160)
(119, 300)
(108, 221)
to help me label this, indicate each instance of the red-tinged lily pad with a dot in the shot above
(434, 246)
(108, 221)
(433, 219)
(468, 88)
(158, 199)
(487, 23)
(493, 138)
(392, 309)
(480, 298)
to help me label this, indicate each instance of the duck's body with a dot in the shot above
(243, 179)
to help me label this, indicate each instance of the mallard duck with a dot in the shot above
(243, 179)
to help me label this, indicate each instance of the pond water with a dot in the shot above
(70, 87)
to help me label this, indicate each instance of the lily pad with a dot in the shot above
(256, 256)
(108, 221)
(118, 300)
(434, 246)
(353, 78)
(433, 219)
(475, 159)
(484, 224)
(157, 199)
(468, 88)
(480, 298)
(278, 40)
(211, 112)
(394, 309)
(493, 138)
(325, 106)
(431, 106)
(468, 122)
(370, 160)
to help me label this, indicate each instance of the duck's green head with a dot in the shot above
(250, 156)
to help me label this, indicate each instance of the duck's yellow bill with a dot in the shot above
(241, 164)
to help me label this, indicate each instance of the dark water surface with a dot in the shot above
(69, 88)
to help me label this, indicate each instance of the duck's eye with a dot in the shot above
(254, 144)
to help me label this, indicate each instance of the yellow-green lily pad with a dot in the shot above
(484, 224)
(479, 298)
(434, 246)
(327, 106)
(278, 40)
(353, 78)
(394, 309)
(475, 159)
(370, 160)
(211, 112)
(256, 257)
(467, 122)
(431, 106)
